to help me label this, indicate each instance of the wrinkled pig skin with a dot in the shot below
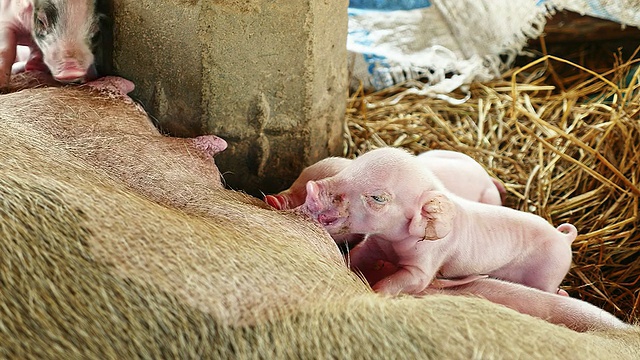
(411, 221)
(96, 265)
(58, 34)
(458, 172)
(163, 179)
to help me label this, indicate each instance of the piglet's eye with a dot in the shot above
(379, 199)
(41, 21)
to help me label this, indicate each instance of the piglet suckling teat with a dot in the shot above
(411, 221)
(459, 173)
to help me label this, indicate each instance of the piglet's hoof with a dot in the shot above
(18, 67)
(275, 201)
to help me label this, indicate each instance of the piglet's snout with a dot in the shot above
(323, 206)
(71, 63)
(328, 219)
(70, 71)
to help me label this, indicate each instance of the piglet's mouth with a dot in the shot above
(329, 220)
(71, 72)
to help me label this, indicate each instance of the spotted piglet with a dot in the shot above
(58, 34)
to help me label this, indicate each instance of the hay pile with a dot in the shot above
(565, 140)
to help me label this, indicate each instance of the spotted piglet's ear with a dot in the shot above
(434, 218)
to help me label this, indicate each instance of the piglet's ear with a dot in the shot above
(313, 201)
(434, 219)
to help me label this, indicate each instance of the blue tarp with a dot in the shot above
(389, 4)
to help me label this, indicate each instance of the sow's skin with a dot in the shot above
(100, 264)
(459, 174)
(412, 222)
(58, 34)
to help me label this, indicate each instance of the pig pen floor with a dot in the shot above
(563, 137)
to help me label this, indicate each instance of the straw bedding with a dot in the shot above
(565, 141)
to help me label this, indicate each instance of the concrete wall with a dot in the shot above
(269, 76)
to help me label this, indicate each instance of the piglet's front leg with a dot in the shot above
(407, 280)
(36, 61)
(7, 54)
(371, 259)
(387, 274)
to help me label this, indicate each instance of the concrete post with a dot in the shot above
(269, 76)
